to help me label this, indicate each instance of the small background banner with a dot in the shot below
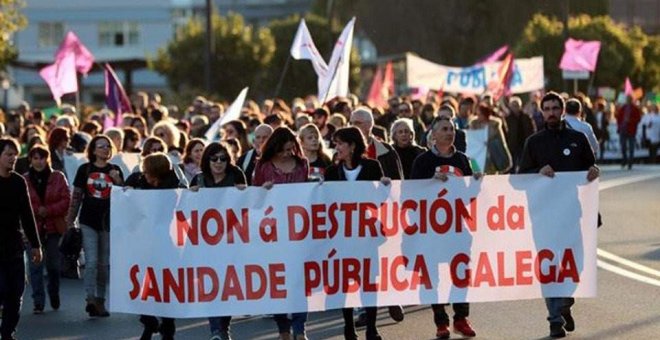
(314, 247)
(527, 75)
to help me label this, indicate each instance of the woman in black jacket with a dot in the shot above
(352, 165)
(218, 170)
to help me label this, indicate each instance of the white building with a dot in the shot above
(122, 32)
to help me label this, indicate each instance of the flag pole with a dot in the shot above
(78, 79)
(334, 73)
(279, 83)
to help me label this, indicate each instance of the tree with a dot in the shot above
(242, 53)
(450, 32)
(620, 54)
(11, 20)
(300, 78)
(649, 76)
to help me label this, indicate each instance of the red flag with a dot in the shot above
(388, 81)
(375, 97)
(500, 86)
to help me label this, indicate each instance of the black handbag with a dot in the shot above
(71, 243)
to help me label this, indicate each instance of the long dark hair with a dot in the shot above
(189, 147)
(211, 150)
(242, 133)
(352, 135)
(275, 144)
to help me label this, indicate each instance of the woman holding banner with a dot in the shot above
(282, 161)
(91, 198)
(158, 174)
(352, 165)
(218, 170)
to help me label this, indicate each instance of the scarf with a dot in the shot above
(40, 180)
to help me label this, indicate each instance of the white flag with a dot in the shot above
(336, 82)
(303, 47)
(232, 113)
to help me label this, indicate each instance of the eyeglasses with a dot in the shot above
(103, 146)
(218, 158)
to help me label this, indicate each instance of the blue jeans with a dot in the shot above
(297, 322)
(627, 149)
(558, 306)
(96, 244)
(52, 260)
(12, 286)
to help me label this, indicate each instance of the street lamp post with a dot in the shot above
(5, 88)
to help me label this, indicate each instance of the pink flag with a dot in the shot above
(83, 57)
(628, 89)
(495, 56)
(61, 76)
(580, 55)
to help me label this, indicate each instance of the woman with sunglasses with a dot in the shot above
(91, 198)
(218, 170)
(281, 162)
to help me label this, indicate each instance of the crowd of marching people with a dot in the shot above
(274, 143)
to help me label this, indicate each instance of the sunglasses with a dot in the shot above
(218, 158)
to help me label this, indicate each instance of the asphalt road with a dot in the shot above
(627, 306)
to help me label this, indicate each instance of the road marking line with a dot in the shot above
(628, 274)
(612, 183)
(631, 264)
(604, 254)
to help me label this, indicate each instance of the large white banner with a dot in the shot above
(527, 75)
(313, 247)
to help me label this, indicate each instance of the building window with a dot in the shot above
(50, 34)
(118, 34)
